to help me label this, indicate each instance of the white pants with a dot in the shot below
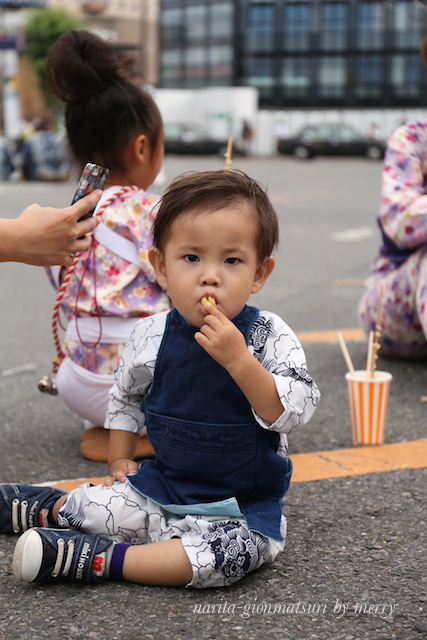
(221, 550)
(84, 392)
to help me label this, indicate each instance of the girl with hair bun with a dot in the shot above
(400, 269)
(112, 122)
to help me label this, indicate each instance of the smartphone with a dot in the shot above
(93, 177)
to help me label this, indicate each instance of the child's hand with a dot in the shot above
(119, 471)
(221, 338)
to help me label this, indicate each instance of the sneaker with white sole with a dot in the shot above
(25, 506)
(42, 555)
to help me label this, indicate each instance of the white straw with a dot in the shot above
(375, 344)
(345, 352)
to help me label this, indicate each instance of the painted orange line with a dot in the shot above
(330, 335)
(359, 461)
(320, 465)
(69, 485)
(350, 282)
(280, 198)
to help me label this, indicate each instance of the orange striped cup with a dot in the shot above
(368, 405)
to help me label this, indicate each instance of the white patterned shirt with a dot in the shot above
(272, 342)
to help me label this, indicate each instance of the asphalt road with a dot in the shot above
(355, 563)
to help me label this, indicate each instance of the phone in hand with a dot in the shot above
(93, 177)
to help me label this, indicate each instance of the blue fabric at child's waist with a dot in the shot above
(262, 516)
(221, 508)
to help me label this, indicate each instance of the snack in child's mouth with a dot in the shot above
(209, 299)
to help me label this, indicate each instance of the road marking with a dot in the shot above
(330, 335)
(20, 369)
(280, 198)
(353, 235)
(350, 282)
(322, 465)
(359, 461)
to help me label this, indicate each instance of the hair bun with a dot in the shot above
(81, 64)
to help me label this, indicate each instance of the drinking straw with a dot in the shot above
(345, 352)
(375, 346)
(227, 154)
(369, 356)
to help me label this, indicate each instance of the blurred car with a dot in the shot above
(331, 140)
(190, 139)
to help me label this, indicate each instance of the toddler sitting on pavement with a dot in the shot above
(218, 383)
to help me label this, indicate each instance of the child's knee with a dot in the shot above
(226, 554)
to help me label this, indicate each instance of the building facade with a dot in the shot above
(298, 53)
(130, 24)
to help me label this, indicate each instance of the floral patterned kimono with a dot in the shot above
(400, 269)
(112, 286)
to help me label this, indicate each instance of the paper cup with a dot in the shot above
(368, 405)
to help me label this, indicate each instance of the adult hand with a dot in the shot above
(45, 236)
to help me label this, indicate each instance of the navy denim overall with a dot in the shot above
(211, 455)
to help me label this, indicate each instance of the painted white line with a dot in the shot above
(20, 369)
(353, 235)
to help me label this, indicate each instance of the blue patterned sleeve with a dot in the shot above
(276, 347)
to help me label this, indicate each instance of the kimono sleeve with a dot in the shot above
(278, 349)
(403, 211)
(134, 375)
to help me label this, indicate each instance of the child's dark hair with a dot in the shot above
(103, 108)
(209, 191)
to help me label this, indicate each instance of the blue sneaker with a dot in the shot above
(23, 506)
(61, 554)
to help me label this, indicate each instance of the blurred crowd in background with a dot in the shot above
(39, 154)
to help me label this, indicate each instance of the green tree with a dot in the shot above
(42, 30)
